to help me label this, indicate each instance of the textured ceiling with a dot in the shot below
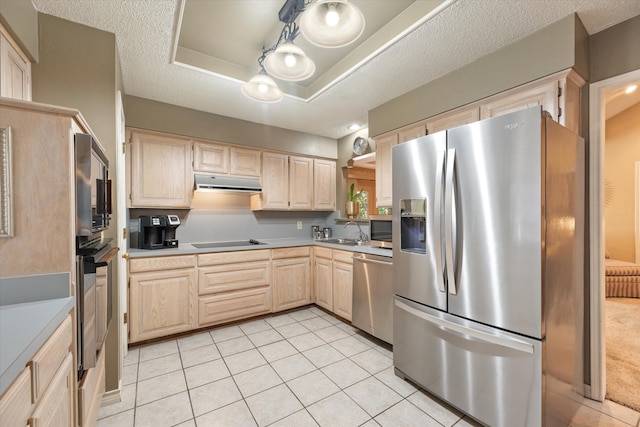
(459, 34)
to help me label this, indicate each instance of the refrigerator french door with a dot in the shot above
(488, 223)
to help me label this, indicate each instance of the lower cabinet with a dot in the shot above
(291, 278)
(43, 393)
(233, 286)
(333, 275)
(162, 296)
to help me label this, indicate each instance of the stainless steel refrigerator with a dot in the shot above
(488, 268)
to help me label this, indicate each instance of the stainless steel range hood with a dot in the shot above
(227, 183)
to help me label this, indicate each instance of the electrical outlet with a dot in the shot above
(299, 225)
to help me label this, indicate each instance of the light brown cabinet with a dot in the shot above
(324, 185)
(333, 274)
(410, 132)
(233, 285)
(162, 296)
(300, 183)
(296, 183)
(160, 171)
(451, 119)
(43, 393)
(224, 159)
(383, 169)
(291, 278)
(15, 69)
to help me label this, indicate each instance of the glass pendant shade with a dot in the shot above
(332, 23)
(262, 88)
(288, 62)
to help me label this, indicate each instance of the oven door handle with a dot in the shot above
(105, 260)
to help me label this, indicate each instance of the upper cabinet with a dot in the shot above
(451, 119)
(383, 168)
(15, 69)
(224, 159)
(411, 132)
(324, 185)
(296, 183)
(161, 175)
(558, 94)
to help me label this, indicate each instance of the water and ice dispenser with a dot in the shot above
(413, 225)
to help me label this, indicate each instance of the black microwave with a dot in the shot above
(380, 230)
(93, 188)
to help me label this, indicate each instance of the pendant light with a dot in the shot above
(262, 88)
(332, 23)
(288, 62)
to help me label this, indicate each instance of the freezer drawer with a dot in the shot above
(493, 376)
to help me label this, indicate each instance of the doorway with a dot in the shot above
(598, 94)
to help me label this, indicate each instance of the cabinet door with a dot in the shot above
(161, 303)
(545, 95)
(411, 132)
(161, 174)
(453, 119)
(245, 162)
(323, 279)
(56, 408)
(300, 183)
(324, 185)
(383, 170)
(210, 158)
(275, 181)
(342, 289)
(291, 283)
(15, 72)
(15, 403)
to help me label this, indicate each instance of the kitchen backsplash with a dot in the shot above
(218, 216)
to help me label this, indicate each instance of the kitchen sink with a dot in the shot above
(346, 242)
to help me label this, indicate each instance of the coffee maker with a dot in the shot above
(158, 232)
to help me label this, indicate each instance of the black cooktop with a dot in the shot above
(208, 245)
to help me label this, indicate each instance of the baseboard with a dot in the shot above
(111, 397)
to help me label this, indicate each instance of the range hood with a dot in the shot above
(227, 183)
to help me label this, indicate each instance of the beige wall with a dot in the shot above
(153, 115)
(557, 47)
(622, 152)
(614, 51)
(20, 18)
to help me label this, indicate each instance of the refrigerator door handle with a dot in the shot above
(449, 213)
(437, 221)
(509, 343)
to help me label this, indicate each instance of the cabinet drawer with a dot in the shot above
(322, 252)
(343, 256)
(233, 305)
(56, 407)
(45, 363)
(233, 257)
(90, 393)
(233, 277)
(291, 252)
(15, 403)
(137, 265)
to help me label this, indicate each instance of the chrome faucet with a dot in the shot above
(362, 236)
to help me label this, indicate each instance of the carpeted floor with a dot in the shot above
(622, 329)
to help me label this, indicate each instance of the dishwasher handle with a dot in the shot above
(372, 261)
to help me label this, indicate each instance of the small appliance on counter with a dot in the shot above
(158, 232)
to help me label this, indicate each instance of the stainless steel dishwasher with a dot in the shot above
(373, 295)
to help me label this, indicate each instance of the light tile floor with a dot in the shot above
(302, 368)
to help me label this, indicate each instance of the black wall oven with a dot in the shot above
(94, 253)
